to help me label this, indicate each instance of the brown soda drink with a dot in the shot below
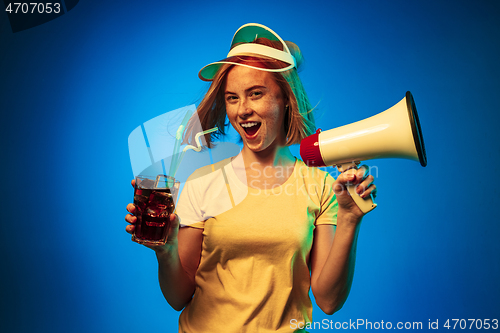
(154, 202)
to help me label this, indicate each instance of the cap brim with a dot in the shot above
(247, 34)
(251, 31)
(208, 72)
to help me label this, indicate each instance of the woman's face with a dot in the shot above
(255, 107)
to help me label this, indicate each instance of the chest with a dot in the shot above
(269, 226)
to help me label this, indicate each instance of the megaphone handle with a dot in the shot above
(365, 204)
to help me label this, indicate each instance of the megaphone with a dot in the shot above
(394, 133)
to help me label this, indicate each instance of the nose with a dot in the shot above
(244, 110)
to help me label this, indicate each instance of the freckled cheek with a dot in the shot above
(276, 115)
(230, 115)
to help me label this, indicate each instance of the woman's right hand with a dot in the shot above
(130, 218)
(172, 233)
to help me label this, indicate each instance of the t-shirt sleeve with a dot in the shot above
(328, 203)
(188, 208)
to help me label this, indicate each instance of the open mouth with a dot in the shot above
(251, 128)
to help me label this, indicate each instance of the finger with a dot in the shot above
(174, 227)
(364, 184)
(372, 189)
(174, 219)
(343, 180)
(359, 174)
(348, 176)
(130, 229)
(131, 208)
(130, 218)
(362, 172)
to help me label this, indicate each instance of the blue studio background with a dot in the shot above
(74, 88)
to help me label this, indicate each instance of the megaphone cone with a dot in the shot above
(394, 133)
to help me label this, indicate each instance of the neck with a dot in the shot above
(279, 156)
(264, 170)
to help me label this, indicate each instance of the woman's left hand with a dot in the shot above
(366, 187)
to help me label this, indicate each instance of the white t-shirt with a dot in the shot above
(210, 191)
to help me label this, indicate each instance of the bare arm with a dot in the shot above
(332, 263)
(333, 254)
(177, 265)
(178, 260)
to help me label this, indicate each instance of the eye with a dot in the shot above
(231, 98)
(256, 94)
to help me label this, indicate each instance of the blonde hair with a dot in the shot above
(298, 121)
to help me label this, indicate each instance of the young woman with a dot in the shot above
(289, 228)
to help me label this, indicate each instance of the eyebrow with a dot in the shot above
(248, 89)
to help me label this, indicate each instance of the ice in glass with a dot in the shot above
(154, 202)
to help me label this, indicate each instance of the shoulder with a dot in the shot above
(317, 182)
(208, 170)
(313, 173)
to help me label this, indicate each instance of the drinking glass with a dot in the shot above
(154, 202)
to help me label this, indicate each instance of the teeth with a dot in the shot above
(249, 124)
